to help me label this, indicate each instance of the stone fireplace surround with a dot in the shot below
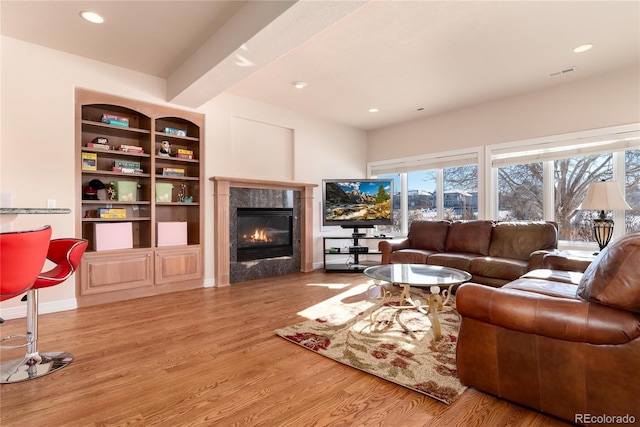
(231, 193)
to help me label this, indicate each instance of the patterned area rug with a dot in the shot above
(396, 345)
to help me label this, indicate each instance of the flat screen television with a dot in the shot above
(357, 203)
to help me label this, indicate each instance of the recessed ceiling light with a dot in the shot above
(300, 85)
(92, 17)
(583, 48)
(373, 110)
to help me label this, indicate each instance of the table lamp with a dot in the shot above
(603, 196)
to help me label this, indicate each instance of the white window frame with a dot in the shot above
(615, 139)
(438, 161)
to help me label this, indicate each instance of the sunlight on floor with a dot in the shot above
(353, 294)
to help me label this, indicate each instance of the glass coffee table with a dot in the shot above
(439, 280)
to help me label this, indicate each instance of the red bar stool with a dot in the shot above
(22, 256)
(66, 255)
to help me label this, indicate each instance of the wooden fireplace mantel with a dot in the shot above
(221, 193)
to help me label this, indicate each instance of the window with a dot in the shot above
(547, 178)
(520, 192)
(460, 185)
(442, 186)
(539, 179)
(571, 179)
(632, 190)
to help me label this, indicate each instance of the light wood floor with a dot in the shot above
(209, 357)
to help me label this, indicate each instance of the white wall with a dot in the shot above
(37, 141)
(320, 150)
(603, 101)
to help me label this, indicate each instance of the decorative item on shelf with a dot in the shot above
(163, 192)
(126, 191)
(99, 142)
(89, 162)
(177, 172)
(114, 120)
(90, 191)
(112, 213)
(126, 167)
(602, 196)
(132, 149)
(182, 193)
(185, 154)
(165, 149)
(111, 192)
(174, 131)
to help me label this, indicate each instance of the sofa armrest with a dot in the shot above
(559, 318)
(536, 259)
(557, 261)
(388, 246)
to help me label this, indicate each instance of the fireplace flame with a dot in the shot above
(259, 235)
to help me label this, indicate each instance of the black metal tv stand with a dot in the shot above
(349, 267)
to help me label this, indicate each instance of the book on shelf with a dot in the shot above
(89, 162)
(125, 170)
(178, 172)
(183, 153)
(99, 146)
(114, 120)
(112, 213)
(126, 164)
(174, 131)
(132, 149)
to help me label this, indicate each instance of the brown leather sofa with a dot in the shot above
(493, 252)
(563, 343)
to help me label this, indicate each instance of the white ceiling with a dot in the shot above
(397, 56)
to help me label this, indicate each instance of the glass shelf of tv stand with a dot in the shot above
(353, 264)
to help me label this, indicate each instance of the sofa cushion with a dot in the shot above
(572, 277)
(545, 287)
(471, 237)
(613, 278)
(409, 256)
(459, 261)
(428, 235)
(517, 240)
(499, 268)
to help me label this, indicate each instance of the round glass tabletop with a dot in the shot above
(418, 274)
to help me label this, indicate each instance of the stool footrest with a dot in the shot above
(33, 366)
(27, 341)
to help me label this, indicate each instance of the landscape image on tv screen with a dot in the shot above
(358, 202)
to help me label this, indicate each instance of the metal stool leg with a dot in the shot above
(33, 364)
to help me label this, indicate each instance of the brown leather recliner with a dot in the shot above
(566, 345)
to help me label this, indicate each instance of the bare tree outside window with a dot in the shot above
(520, 192)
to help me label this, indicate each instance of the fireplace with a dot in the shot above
(264, 233)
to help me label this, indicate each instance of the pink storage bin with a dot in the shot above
(113, 235)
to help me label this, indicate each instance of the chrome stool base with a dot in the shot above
(33, 366)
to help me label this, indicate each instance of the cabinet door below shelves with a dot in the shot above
(174, 265)
(115, 272)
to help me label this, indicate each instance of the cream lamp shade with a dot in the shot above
(604, 196)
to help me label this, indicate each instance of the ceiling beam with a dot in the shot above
(258, 34)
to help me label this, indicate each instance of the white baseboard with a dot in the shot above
(43, 308)
(209, 283)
